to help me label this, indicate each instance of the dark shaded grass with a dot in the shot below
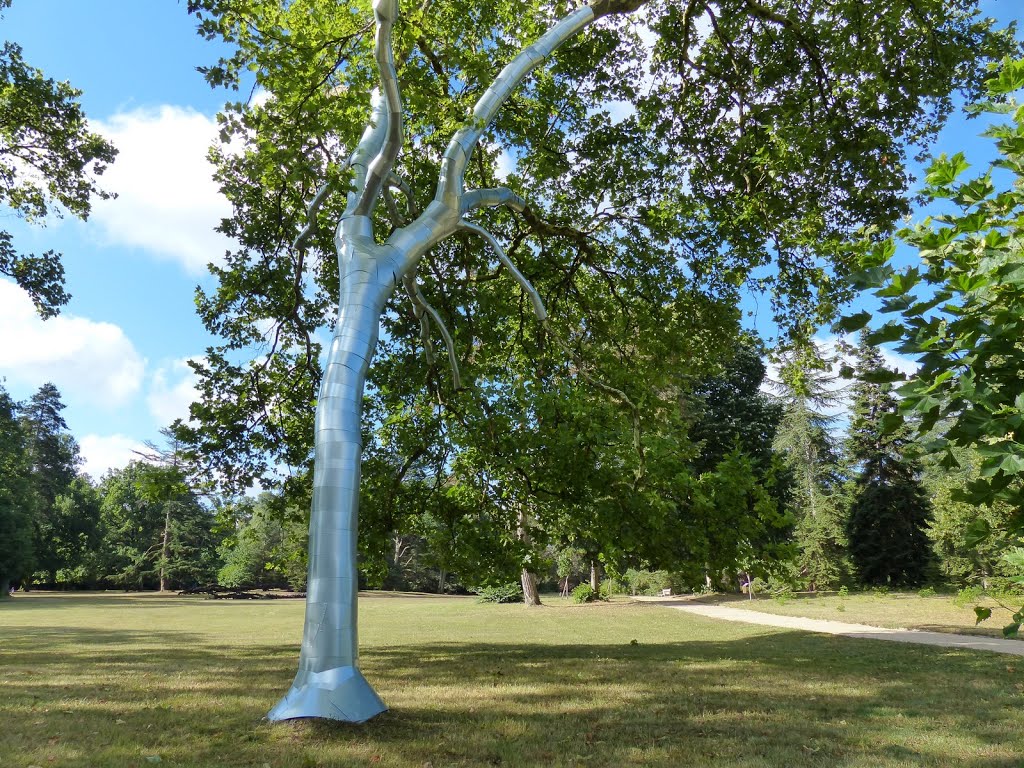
(473, 685)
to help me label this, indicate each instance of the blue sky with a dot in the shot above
(118, 351)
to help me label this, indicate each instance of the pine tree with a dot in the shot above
(808, 389)
(16, 532)
(54, 457)
(889, 509)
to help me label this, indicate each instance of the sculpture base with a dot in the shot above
(335, 694)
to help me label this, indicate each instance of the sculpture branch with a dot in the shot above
(460, 149)
(420, 311)
(394, 180)
(526, 285)
(386, 13)
(369, 146)
(492, 198)
(453, 360)
(392, 208)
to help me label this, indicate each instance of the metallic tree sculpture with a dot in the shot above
(328, 683)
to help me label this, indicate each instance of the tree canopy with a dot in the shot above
(961, 310)
(665, 159)
(49, 164)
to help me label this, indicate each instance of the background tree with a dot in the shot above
(49, 161)
(76, 515)
(16, 499)
(262, 551)
(132, 529)
(889, 509)
(55, 460)
(808, 390)
(968, 539)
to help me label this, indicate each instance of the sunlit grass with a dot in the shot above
(907, 610)
(119, 680)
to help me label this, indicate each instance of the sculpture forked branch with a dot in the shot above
(328, 682)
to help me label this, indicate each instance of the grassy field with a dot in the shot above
(899, 610)
(134, 680)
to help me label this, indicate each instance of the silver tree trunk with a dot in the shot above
(328, 682)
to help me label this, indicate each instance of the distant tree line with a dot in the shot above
(761, 493)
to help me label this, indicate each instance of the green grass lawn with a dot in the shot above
(130, 680)
(906, 610)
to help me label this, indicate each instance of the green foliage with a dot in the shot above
(266, 549)
(504, 593)
(961, 311)
(886, 528)
(807, 389)
(49, 161)
(17, 500)
(640, 230)
(584, 593)
(610, 587)
(889, 509)
(65, 509)
(968, 539)
(154, 530)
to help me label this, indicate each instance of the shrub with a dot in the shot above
(503, 593)
(611, 587)
(968, 595)
(926, 592)
(584, 593)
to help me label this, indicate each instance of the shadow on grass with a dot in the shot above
(48, 601)
(85, 696)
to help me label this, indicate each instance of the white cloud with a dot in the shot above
(91, 362)
(168, 202)
(172, 391)
(103, 453)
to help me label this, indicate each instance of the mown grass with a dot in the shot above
(122, 680)
(899, 610)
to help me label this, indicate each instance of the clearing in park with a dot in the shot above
(132, 680)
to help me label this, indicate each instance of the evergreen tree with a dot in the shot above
(889, 509)
(156, 533)
(16, 498)
(733, 412)
(54, 456)
(807, 390)
(132, 529)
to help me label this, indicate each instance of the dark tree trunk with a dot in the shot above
(530, 594)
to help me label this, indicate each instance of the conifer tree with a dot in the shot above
(16, 534)
(808, 389)
(54, 459)
(889, 509)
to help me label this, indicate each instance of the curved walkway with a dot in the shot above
(921, 637)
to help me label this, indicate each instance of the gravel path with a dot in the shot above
(943, 639)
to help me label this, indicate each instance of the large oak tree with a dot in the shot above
(661, 160)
